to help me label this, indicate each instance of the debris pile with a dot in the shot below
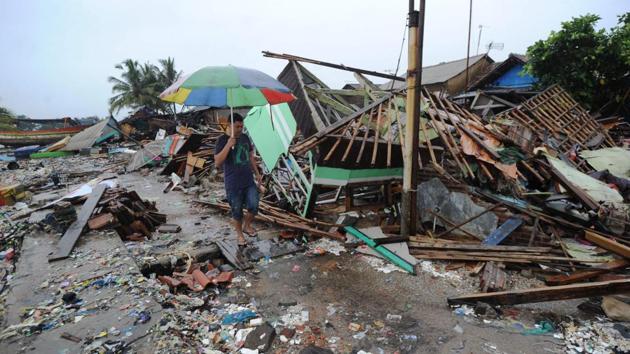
(133, 219)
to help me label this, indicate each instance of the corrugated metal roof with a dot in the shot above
(440, 72)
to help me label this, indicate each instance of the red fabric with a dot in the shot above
(276, 97)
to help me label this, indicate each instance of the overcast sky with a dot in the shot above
(56, 55)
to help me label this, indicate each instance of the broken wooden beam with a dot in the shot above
(476, 247)
(68, 240)
(513, 257)
(502, 232)
(551, 293)
(608, 244)
(576, 277)
(493, 277)
(331, 65)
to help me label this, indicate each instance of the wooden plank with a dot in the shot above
(576, 277)
(608, 244)
(328, 130)
(365, 135)
(355, 130)
(551, 293)
(329, 101)
(506, 257)
(66, 244)
(477, 247)
(493, 277)
(317, 120)
(233, 255)
(331, 65)
(503, 231)
(376, 134)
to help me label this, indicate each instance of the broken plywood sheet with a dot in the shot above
(615, 159)
(401, 249)
(580, 251)
(454, 206)
(595, 189)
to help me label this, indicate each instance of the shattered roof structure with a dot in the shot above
(558, 121)
(95, 134)
(443, 72)
(318, 106)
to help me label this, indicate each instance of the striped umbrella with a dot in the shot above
(227, 86)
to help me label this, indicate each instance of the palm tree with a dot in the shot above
(128, 88)
(167, 75)
(140, 85)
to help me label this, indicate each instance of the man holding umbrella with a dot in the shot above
(233, 87)
(235, 153)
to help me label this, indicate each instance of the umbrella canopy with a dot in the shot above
(227, 86)
(271, 140)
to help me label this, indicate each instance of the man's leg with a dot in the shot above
(236, 206)
(251, 202)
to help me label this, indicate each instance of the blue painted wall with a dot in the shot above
(514, 78)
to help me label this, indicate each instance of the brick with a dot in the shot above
(287, 333)
(224, 277)
(100, 221)
(171, 282)
(200, 278)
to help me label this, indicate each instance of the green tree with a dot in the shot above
(140, 85)
(7, 119)
(167, 75)
(593, 65)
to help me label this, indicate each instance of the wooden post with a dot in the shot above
(414, 81)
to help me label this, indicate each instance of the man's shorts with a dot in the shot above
(247, 197)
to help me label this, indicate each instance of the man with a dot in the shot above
(235, 152)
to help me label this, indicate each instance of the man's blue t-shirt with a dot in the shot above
(237, 170)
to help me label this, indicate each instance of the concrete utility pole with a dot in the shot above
(409, 217)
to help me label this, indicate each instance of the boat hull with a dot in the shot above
(37, 137)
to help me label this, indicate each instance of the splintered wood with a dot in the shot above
(269, 213)
(555, 114)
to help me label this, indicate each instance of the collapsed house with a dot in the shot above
(503, 86)
(518, 191)
(105, 130)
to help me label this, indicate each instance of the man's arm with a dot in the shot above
(219, 158)
(252, 162)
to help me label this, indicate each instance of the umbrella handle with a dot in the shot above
(232, 122)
